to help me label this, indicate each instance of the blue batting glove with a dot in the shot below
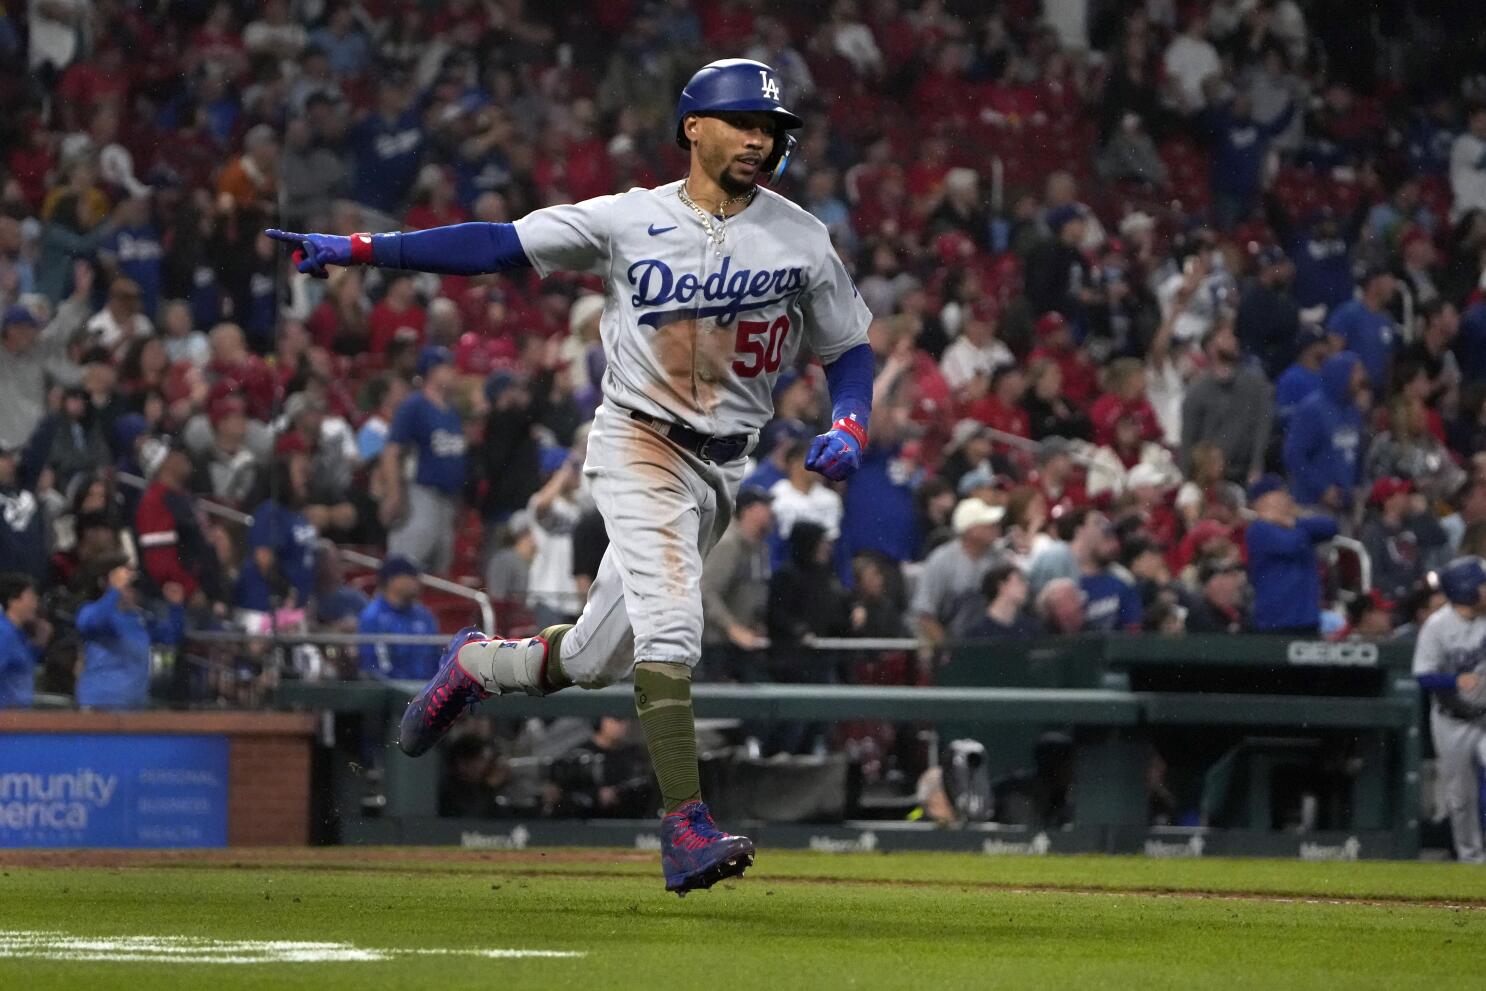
(315, 251)
(837, 453)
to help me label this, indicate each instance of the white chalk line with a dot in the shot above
(27, 944)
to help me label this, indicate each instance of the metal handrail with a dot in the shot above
(352, 557)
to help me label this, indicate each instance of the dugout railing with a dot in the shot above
(1267, 745)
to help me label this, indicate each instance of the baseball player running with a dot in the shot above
(1447, 661)
(713, 284)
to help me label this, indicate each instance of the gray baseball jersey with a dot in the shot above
(1448, 643)
(692, 334)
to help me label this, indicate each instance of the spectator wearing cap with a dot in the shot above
(226, 467)
(947, 599)
(1402, 538)
(1059, 277)
(509, 456)
(396, 610)
(173, 545)
(1268, 318)
(555, 512)
(801, 496)
(1323, 440)
(30, 359)
(1055, 343)
(1219, 609)
(329, 499)
(117, 634)
(1006, 592)
(1366, 326)
(1057, 477)
(23, 635)
(421, 516)
(279, 572)
(1151, 491)
(1280, 546)
(1112, 601)
(1468, 165)
(735, 590)
(1230, 405)
(1303, 377)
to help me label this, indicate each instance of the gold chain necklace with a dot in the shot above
(718, 231)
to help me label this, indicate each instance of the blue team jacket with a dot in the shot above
(398, 660)
(18, 657)
(1284, 572)
(116, 651)
(1323, 438)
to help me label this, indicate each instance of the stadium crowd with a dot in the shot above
(1167, 296)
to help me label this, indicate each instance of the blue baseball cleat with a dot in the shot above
(696, 854)
(443, 700)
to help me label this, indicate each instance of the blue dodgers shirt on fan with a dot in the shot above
(438, 435)
(1113, 603)
(293, 540)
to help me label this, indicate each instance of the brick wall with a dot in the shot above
(268, 787)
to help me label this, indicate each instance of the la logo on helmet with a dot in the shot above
(771, 87)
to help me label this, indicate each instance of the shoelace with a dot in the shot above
(697, 828)
(439, 714)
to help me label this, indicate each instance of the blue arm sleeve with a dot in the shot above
(96, 619)
(460, 249)
(850, 380)
(1437, 682)
(1318, 528)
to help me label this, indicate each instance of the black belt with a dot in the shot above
(709, 447)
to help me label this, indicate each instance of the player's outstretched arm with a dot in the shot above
(837, 453)
(459, 249)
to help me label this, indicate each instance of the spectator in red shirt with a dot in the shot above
(435, 200)
(233, 368)
(172, 543)
(397, 313)
(1001, 409)
(340, 323)
(1125, 398)
(1055, 343)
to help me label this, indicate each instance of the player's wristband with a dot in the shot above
(849, 425)
(361, 250)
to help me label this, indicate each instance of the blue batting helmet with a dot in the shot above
(739, 84)
(1462, 579)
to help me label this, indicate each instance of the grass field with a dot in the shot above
(410, 918)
